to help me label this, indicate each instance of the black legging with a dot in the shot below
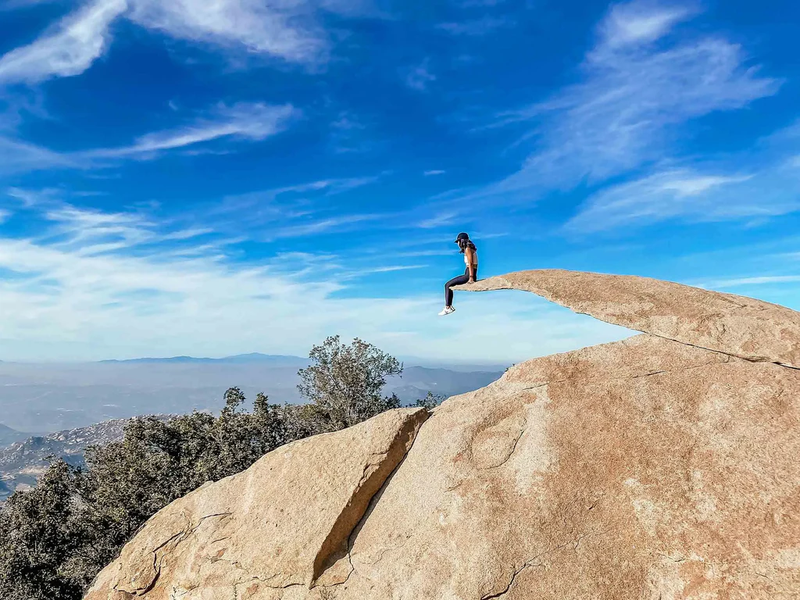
(461, 279)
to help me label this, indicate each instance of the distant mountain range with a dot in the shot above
(44, 398)
(299, 361)
(239, 359)
(10, 436)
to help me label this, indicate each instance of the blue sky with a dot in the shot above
(211, 178)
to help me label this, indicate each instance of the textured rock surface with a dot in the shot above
(279, 524)
(641, 469)
(644, 469)
(736, 325)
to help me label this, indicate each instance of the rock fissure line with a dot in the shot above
(350, 573)
(527, 565)
(648, 374)
(180, 536)
(530, 564)
(374, 500)
(263, 582)
(751, 359)
(157, 568)
(513, 448)
(675, 560)
(358, 506)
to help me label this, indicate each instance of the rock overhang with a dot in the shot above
(736, 325)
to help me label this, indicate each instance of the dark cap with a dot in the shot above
(462, 236)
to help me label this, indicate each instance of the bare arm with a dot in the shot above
(471, 257)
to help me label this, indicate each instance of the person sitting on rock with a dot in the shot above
(470, 253)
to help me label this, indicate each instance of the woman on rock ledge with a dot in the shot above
(470, 253)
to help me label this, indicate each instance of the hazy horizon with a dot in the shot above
(43, 398)
(416, 361)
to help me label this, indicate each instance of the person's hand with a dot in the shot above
(471, 280)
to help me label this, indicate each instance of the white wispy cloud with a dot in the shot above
(285, 205)
(347, 122)
(423, 253)
(29, 198)
(476, 27)
(689, 196)
(633, 101)
(418, 78)
(750, 187)
(478, 3)
(281, 28)
(68, 49)
(17, 155)
(434, 172)
(321, 225)
(245, 121)
(388, 269)
(749, 281)
(18, 105)
(330, 186)
(349, 134)
(249, 122)
(640, 22)
(79, 297)
(88, 231)
(289, 30)
(438, 220)
(17, 4)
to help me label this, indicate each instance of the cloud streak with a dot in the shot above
(640, 22)
(418, 78)
(754, 281)
(439, 220)
(243, 121)
(68, 50)
(288, 30)
(18, 156)
(769, 188)
(476, 28)
(9, 5)
(323, 225)
(635, 95)
(670, 195)
(284, 28)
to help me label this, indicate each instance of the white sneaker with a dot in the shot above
(447, 310)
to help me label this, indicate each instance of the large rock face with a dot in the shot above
(645, 469)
